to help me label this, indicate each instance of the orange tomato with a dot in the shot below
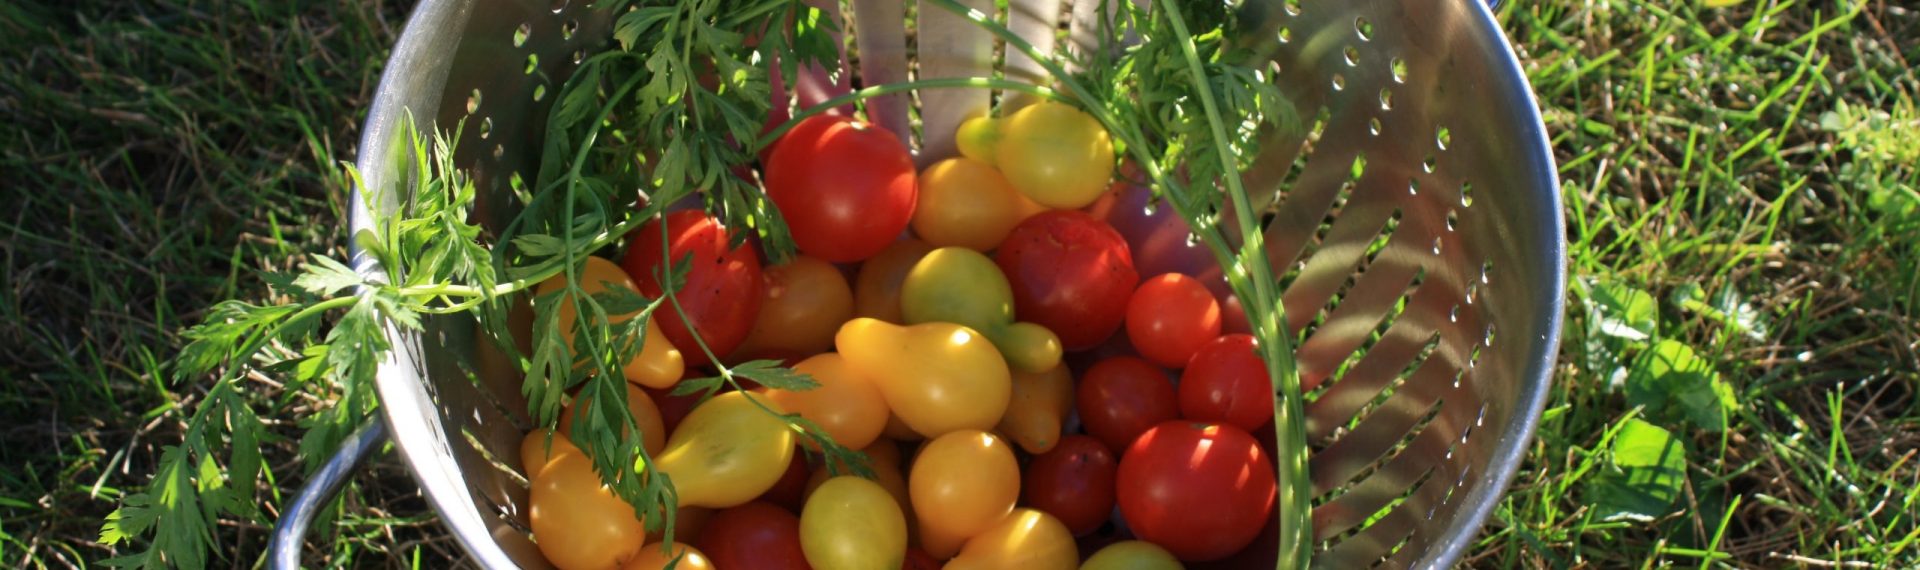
(653, 430)
(578, 522)
(658, 364)
(962, 484)
(846, 404)
(803, 303)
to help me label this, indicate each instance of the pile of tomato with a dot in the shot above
(979, 329)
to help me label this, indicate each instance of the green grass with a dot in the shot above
(1742, 181)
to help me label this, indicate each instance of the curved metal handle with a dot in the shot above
(283, 552)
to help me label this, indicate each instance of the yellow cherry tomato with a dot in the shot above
(1057, 155)
(658, 364)
(1027, 539)
(962, 484)
(937, 377)
(727, 451)
(966, 203)
(1039, 407)
(846, 404)
(899, 431)
(854, 524)
(977, 138)
(655, 556)
(884, 457)
(802, 303)
(653, 430)
(876, 291)
(578, 522)
(1132, 555)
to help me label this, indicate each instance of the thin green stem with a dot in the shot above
(1289, 426)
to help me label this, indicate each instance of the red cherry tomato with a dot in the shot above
(1122, 396)
(722, 292)
(791, 490)
(754, 535)
(846, 188)
(1170, 316)
(1233, 317)
(1073, 482)
(1070, 273)
(1201, 490)
(918, 559)
(1227, 382)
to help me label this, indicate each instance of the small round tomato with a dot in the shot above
(845, 188)
(1122, 396)
(1233, 317)
(1073, 482)
(805, 300)
(537, 452)
(656, 556)
(853, 523)
(845, 404)
(1170, 317)
(1071, 274)
(1227, 382)
(1056, 154)
(961, 484)
(754, 535)
(966, 203)
(646, 416)
(578, 522)
(876, 291)
(1132, 555)
(1025, 539)
(721, 296)
(1201, 490)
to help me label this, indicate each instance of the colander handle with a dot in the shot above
(283, 552)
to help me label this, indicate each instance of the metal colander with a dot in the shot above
(1418, 221)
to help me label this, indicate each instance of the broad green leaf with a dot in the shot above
(1673, 382)
(1623, 311)
(1647, 471)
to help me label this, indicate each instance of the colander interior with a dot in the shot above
(1414, 213)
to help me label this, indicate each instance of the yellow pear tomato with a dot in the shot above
(727, 451)
(937, 377)
(653, 430)
(658, 364)
(1039, 408)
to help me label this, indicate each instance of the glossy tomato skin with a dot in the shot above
(1071, 274)
(1227, 382)
(845, 188)
(1200, 490)
(1073, 482)
(1170, 317)
(722, 294)
(754, 535)
(1121, 397)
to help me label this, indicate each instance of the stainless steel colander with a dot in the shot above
(1418, 220)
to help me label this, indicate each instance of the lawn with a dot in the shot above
(1742, 184)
